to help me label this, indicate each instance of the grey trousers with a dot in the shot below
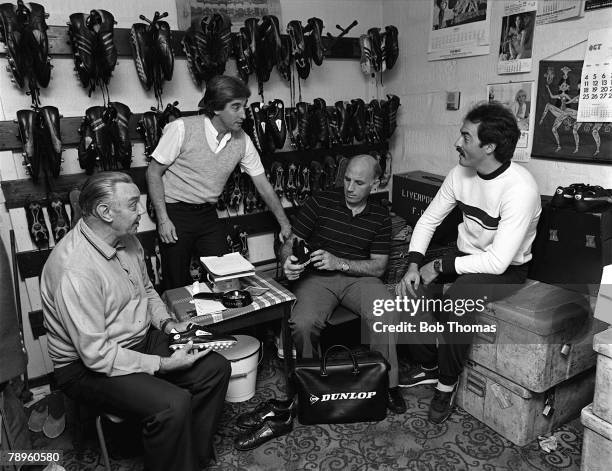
(318, 296)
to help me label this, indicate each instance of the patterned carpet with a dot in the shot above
(400, 442)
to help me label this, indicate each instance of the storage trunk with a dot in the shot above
(596, 443)
(602, 402)
(544, 336)
(571, 247)
(412, 193)
(516, 413)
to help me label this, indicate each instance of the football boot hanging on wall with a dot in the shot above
(152, 51)
(105, 138)
(39, 131)
(24, 32)
(60, 224)
(379, 50)
(95, 55)
(36, 224)
(152, 124)
(207, 44)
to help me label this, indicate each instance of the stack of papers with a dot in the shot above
(227, 267)
(204, 306)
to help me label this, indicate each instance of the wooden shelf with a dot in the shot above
(343, 48)
(18, 192)
(31, 262)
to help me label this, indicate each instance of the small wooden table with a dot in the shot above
(275, 303)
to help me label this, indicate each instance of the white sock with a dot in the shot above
(445, 387)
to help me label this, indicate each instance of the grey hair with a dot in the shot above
(100, 188)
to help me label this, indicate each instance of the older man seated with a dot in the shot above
(107, 333)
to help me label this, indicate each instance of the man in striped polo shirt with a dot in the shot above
(352, 238)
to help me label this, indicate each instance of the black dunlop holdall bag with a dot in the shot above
(339, 390)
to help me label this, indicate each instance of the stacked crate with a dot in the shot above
(536, 370)
(597, 417)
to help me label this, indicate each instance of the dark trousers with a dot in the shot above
(199, 233)
(317, 297)
(179, 411)
(451, 350)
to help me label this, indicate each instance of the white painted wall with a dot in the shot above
(427, 132)
(334, 80)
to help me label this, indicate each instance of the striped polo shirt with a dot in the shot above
(326, 223)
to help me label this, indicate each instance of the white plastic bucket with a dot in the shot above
(244, 357)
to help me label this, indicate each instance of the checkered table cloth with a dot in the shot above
(179, 302)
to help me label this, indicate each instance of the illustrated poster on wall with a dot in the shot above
(551, 11)
(519, 98)
(459, 28)
(516, 42)
(237, 10)
(597, 4)
(557, 132)
(596, 85)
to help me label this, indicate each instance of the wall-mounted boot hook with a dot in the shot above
(344, 32)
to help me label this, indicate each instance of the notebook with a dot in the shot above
(231, 265)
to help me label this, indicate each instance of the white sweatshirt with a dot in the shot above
(500, 217)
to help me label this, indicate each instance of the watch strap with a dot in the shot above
(164, 323)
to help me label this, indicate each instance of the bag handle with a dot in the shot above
(324, 359)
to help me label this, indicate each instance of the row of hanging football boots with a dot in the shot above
(58, 217)
(105, 138)
(207, 44)
(93, 47)
(296, 181)
(317, 125)
(152, 51)
(23, 30)
(39, 131)
(379, 50)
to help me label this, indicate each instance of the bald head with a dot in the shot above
(366, 162)
(361, 176)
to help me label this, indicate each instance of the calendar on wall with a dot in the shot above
(596, 85)
(558, 132)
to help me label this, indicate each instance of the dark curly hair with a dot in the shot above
(496, 125)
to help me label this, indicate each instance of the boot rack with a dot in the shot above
(18, 192)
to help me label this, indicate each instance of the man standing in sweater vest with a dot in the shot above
(500, 203)
(193, 160)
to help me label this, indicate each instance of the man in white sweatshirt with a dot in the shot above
(500, 203)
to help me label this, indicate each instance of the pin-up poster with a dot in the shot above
(519, 97)
(459, 28)
(237, 10)
(516, 42)
(558, 134)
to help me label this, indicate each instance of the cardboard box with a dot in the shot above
(412, 193)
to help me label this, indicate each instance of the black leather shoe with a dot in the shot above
(395, 401)
(265, 410)
(271, 428)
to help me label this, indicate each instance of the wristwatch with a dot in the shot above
(164, 323)
(437, 265)
(344, 266)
